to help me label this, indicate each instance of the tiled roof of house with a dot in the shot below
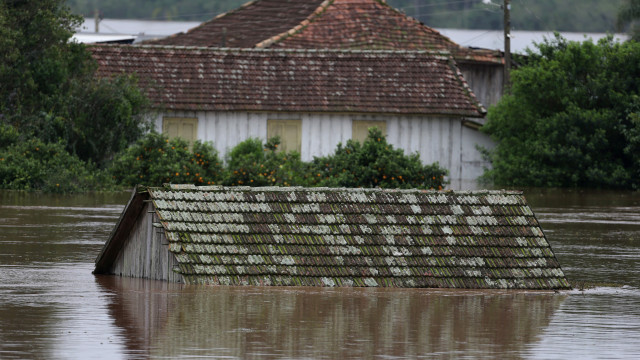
(316, 24)
(391, 82)
(246, 26)
(361, 24)
(371, 24)
(356, 237)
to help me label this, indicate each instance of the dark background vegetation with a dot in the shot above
(555, 15)
(572, 118)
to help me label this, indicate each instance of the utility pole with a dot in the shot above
(507, 46)
(96, 19)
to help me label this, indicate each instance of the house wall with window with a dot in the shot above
(312, 99)
(445, 140)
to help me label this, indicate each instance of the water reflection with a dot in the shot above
(50, 305)
(244, 322)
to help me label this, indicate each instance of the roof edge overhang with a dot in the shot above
(476, 119)
(115, 242)
(472, 123)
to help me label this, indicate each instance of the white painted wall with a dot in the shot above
(441, 139)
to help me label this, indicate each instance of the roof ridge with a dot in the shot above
(443, 53)
(215, 18)
(192, 187)
(304, 23)
(323, 7)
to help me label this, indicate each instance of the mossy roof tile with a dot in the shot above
(356, 237)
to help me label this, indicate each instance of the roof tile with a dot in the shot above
(321, 24)
(349, 237)
(293, 80)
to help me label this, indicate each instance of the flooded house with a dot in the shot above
(331, 237)
(345, 25)
(312, 99)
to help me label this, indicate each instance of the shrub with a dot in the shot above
(375, 163)
(36, 165)
(155, 160)
(252, 163)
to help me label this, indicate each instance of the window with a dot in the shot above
(185, 128)
(289, 131)
(360, 129)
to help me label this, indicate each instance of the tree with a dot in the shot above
(48, 88)
(571, 119)
(628, 17)
(36, 54)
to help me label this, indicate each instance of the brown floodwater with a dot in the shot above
(52, 307)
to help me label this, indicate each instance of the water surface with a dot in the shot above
(51, 306)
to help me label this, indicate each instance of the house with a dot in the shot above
(340, 24)
(312, 99)
(331, 237)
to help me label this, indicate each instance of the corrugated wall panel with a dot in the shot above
(441, 139)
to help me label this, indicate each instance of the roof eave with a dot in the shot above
(475, 117)
(118, 235)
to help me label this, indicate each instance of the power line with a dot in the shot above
(436, 4)
(284, 8)
(456, 11)
(468, 41)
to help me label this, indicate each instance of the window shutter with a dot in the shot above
(360, 129)
(290, 132)
(185, 128)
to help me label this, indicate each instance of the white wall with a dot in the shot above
(441, 139)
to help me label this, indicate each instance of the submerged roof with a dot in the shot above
(354, 237)
(316, 24)
(389, 82)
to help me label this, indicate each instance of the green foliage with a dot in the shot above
(37, 59)
(36, 165)
(103, 117)
(8, 136)
(48, 87)
(628, 18)
(571, 118)
(375, 163)
(251, 163)
(155, 160)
